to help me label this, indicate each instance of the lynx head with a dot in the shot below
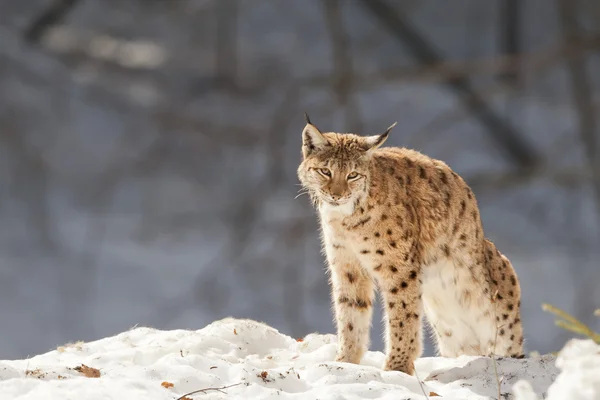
(335, 166)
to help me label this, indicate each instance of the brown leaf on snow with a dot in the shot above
(299, 340)
(434, 394)
(167, 385)
(234, 331)
(264, 376)
(88, 372)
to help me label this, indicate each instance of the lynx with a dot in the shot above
(395, 219)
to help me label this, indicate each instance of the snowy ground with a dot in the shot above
(261, 363)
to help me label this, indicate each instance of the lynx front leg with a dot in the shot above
(352, 292)
(401, 290)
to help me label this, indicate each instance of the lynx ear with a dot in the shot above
(374, 142)
(312, 138)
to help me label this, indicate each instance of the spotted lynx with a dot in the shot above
(406, 223)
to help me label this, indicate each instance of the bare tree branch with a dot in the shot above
(32, 181)
(533, 63)
(509, 39)
(442, 121)
(582, 94)
(567, 177)
(515, 145)
(294, 295)
(343, 71)
(276, 137)
(226, 46)
(56, 12)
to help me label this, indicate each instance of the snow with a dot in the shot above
(579, 362)
(261, 363)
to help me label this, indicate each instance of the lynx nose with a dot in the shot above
(335, 196)
(336, 191)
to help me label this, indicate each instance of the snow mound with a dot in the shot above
(579, 362)
(261, 363)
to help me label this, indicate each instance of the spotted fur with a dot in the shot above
(395, 219)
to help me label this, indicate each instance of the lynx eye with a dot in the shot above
(325, 172)
(352, 175)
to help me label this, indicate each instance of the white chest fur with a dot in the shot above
(330, 211)
(334, 234)
(339, 241)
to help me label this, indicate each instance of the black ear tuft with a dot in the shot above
(383, 137)
(307, 118)
(373, 142)
(387, 131)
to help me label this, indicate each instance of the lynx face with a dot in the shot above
(335, 181)
(335, 166)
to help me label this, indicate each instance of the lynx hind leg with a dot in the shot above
(507, 304)
(458, 306)
(401, 292)
(352, 292)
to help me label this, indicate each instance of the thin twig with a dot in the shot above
(420, 383)
(495, 364)
(211, 389)
(493, 355)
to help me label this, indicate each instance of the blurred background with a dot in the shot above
(148, 151)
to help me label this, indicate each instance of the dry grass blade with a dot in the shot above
(571, 323)
(560, 313)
